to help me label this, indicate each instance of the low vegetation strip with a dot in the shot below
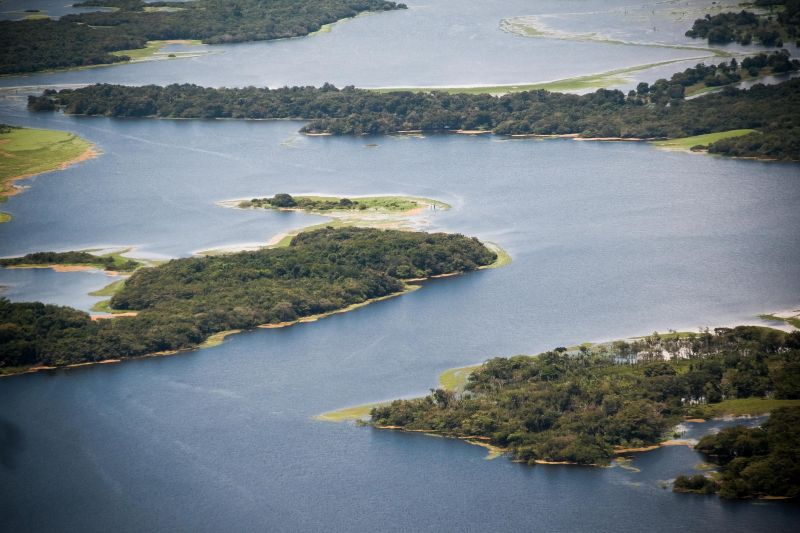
(579, 406)
(700, 142)
(181, 303)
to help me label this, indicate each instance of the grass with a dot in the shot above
(455, 379)
(153, 48)
(687, 143)
(26, 151)
(577, 83)
(793, 321)
(385, 204)
(4, 217)
(359, 412)
(743, 406)
(503, 257)
(218, 338)
(109, 290)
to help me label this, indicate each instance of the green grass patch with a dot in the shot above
(503, 257)
(4, 217)
(109, 290)
(687, 143)
(455, 379)
(218, 338)
(359, 412)
(27, 151)
(154, 47)
(743, 406)
(793, 321)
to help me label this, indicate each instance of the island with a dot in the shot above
(182, 303)
(66, 261)
(135, 27)
(651, 112)
(766, 28)
(330, 204)
(26, 152)
(589, 404)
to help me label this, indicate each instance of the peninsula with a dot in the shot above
(136, 27)
(588, 404)
(184, 302)
(26, 152)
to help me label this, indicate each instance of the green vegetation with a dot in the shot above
(98, 37)
(745, 27)
(388, 204)
(793, 320)
(153, 49)
(455, 379)
(700, 142)
(114, 262)
(183, 302)
(109, 290)
(754, 462)
(359, 412)
(657, 111)
(25, 152)
(741, 407)
(580, 406)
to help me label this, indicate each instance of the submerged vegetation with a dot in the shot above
(185, 301)
(580, 405)
(745, 27)
(92, 38)
(657, 111)
(754, 462)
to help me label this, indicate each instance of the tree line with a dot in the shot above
(650, 112)
(91, 38)
(184, 301)
(579, 405)
(746, 27)
(753, 462)
(106, 262)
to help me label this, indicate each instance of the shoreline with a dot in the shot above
(10, 187)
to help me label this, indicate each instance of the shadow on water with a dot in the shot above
(12, 442)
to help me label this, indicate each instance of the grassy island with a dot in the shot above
(184, 302)
(326, 204)
(135, 29)
(25, 152)
(588, 404)
(651, 112)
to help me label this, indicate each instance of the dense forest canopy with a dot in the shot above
(652, 111)
(90, 38)
(754, 462)
(577, 406)
(184, 301)
(782, 23)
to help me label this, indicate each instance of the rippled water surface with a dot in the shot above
(608, 240)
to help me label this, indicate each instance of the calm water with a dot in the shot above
(608, 240)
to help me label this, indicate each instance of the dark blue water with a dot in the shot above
(608, 240)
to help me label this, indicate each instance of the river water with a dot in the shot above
(608, 239)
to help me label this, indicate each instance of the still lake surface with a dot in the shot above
(609, 240)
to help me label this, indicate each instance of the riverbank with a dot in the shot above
(27, 152)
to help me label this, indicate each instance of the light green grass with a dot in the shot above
(4, 217)
(503, 257)
(109, 290)
(743, 406)
(793, 321)
(27, 151)
(359, 412)
(455, 379)
(607, 79)
(218, 338)
(687, 143)
(154, 47)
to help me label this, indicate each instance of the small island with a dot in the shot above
(66, 261)
(328, 204)
(183, 303)
(26, 152)
(781, 23)
(589, 404)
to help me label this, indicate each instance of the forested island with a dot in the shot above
(183, 302)
(586, 404)
(92, 38)
(657, 111)
(754, 462)
(110, 262)
(745, 27)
